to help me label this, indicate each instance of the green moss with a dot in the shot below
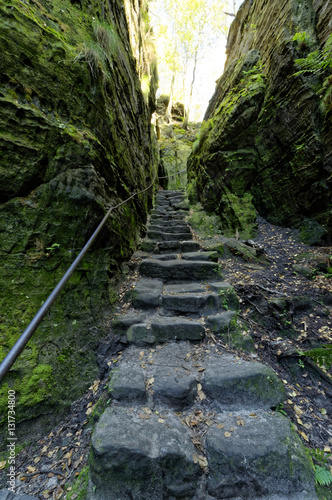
(79, 488)
(206, 225)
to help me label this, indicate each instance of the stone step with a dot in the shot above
(179, 270)
(207, 256)
(237, 384)
(226, 326)
(165, 217)
(162, 329)
(147, 293)
(170, 229)
(164, 256)
(150, 458)
(142, 447)
(167, 223)
(230, 383)
(191, 302)
(164, 247)
(256, 454)
(163, 236)
(158, 376)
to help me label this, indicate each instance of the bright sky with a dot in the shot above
(209, 69)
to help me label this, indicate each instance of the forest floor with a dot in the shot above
(288, 313)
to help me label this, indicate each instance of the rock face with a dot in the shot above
(77, 93)
(266, 143)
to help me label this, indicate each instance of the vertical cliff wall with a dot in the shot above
(266, 142)
(77, 82)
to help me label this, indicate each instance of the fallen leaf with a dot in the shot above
(228, 434)
(327, 449)
(323, 411)
(37, 459)
(89, 410)
(3, 464)
(161, 420)
(303, 435)
(31, 469)
(201, 395)
(151, 380)
(44, 449)
(220, 426)
(143, 416)
(298, 410)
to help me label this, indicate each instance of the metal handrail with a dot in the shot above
(20, 344)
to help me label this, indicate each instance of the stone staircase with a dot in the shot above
(187, 419)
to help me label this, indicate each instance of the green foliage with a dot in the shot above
(252, 81)
(280, 409)
(319, 64)
(322, 476)
(206, 225)
(316, 62)
(302, 39)
(321, 355)
(79, 488)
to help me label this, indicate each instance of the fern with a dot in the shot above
(322, 476)
(321, 355)
(316, 62)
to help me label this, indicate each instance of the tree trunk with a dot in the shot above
(187, 111)
(168, 114)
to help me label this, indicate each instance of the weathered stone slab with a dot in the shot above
(122, 322)
(179, 270)
(190, 246)
(221, 323)
(185, 288)
(192, 302)
(142, 458)
(168, 223)
(165, 256)
(183, 229)
(127, 382)
(169, 236)
(235, 384)
(141, 335)
(174, 328)
(147, 293)
(260, 455)
(206, 256)
(174, 386)
(168, 246)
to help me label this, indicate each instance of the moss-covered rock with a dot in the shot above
(266, 141)
(77, 87)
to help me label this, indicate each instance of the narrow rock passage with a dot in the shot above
(188, 420)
